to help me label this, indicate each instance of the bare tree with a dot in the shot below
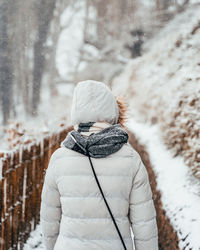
(45, 10)
(5, 63)
(55, 31)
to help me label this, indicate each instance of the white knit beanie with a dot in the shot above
(93, 102)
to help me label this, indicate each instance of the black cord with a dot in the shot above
(97, 181)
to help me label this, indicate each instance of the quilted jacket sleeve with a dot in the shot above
(142, 211)
(50, 210)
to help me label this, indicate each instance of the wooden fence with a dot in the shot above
(20, 190)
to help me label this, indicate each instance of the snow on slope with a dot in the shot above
(163, 86)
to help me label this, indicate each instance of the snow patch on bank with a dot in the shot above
(35, 240)
(179, 189)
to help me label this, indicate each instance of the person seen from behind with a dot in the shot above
(96, 187)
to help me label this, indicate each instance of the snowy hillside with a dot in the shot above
(163, 90)
(163, 86)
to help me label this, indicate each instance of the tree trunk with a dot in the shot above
(45, 10)
(5, 63)
(101, 20)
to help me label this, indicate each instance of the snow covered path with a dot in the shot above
(179, 189)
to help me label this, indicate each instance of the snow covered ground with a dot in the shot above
(180, 199)
(35, 240)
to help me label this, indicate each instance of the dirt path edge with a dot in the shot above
(168, 239)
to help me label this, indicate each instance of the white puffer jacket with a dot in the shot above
(73, 213)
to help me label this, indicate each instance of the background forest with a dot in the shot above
(46, 43)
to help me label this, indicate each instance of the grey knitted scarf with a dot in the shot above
(97, 145)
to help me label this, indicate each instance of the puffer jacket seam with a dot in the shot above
(42, 218)
(139, 203)
(147, 239)
(144, 221)
(136, 171)
(136, 174)
(141, 185)
(87, 239)
(51, 188)
(97, 197)
(126, 176)
(49, 206)
(97, 218)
